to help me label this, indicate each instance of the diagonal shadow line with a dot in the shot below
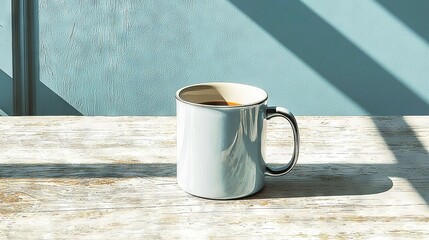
(334, 57)
(6, 90)
(53, 104)
(345, 66)
(414, 14)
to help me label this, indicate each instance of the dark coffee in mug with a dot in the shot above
(221, 103)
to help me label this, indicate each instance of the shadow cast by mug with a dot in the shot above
(308, 180)
(87, 170)
(313, 180)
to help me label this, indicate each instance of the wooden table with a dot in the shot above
(114, 177)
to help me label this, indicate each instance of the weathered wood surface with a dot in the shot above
(114, 177)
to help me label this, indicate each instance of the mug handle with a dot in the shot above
(283, 112)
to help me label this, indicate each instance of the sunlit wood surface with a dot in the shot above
(114, 178)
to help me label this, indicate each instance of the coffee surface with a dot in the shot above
(221, 103)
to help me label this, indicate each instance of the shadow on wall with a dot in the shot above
(334, 57)
(293, 25)
(50, 103)
(412, 13)
(55, 105)
(6, 94)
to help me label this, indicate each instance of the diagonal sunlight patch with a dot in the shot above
(402, 191)
(383, 37)
(273, 64)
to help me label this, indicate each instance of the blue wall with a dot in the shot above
(6, 86)
(314, 57)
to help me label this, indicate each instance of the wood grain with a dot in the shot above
(114, 177)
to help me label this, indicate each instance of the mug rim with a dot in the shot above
(220, 106)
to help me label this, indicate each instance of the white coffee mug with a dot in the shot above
(221, 147)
